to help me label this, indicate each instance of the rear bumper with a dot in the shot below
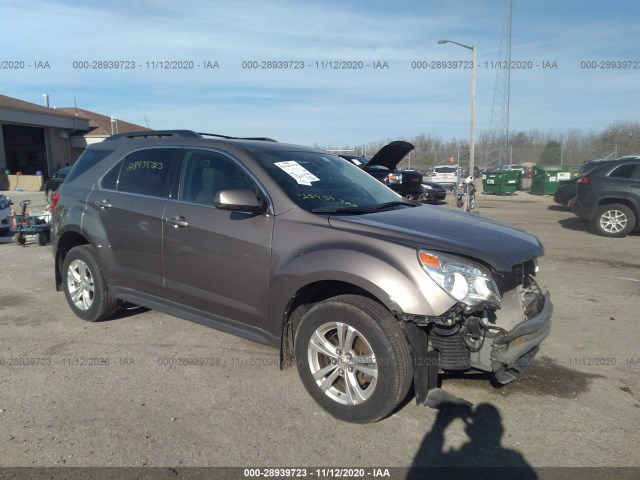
(561, 198)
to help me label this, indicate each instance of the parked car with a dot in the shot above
(566, 193)
(366, 292)
(54, 182)
(464, 172)
(433, 192)
(609, 196)
(445, 176)
(382, 166)
(5, 211)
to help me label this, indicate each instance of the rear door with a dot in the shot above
(216, 261)
(129, 206)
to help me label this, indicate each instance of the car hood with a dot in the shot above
(435, 185)
(390, 155)
(490, 241)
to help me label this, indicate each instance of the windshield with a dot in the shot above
(324, 183)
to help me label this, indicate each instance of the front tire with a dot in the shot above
(84, 285)
(353, 358)
(614, 220)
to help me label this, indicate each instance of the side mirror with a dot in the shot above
(240, 200)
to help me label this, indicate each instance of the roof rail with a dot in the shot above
(154, 133)
(264, 139)
(178, 133)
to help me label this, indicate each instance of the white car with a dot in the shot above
(445, 176)
(5, 210)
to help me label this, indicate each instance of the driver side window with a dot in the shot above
(205, 173)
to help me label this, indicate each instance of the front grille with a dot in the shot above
(518, 275)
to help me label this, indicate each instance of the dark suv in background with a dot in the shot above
(366, 292)
(609, 196)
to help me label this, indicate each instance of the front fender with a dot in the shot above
(394, 277)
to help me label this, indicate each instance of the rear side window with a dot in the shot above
(623, 171)
(145, 172)
(87, 160)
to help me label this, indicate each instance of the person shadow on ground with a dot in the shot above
(482, 456)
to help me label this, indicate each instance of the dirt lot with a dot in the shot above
(117, 393)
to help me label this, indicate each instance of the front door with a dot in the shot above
(216, 261)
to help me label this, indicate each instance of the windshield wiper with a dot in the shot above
(396, 203)
(367, 209)
(340, 210)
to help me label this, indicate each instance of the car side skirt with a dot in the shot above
(203, 318)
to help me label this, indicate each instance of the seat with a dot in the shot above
(212, 182)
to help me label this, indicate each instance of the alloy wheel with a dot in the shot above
(80, 285)
(613, 221)
(342, 363)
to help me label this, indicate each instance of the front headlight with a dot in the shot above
(395, 178)
(428, 187)
(464, 281)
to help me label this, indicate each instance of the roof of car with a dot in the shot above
(610, 163)
(191, 138)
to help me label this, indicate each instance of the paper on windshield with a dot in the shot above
(298, 172)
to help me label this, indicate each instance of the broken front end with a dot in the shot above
(497, 324)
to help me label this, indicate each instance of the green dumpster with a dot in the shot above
(501, 182)
(546, 177)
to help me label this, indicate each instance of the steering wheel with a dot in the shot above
(24, 204)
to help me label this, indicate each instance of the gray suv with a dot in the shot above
(366, 292)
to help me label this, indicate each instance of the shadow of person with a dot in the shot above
(482, 456)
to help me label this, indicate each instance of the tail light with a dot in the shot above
(54, 202)
(584, 181)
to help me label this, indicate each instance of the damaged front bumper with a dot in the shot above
(521, 325)
(504, 344)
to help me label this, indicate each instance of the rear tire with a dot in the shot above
(353, 358)
(85, 287)
(614, 220)
(42, 239)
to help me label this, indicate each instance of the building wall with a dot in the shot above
(3, 160)
(58, 150)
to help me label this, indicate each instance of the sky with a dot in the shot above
(589, 48)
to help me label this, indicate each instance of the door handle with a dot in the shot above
(178, 222)
(634, 186)
(104, 204)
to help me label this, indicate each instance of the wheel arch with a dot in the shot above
(65, 243)
(303, 300)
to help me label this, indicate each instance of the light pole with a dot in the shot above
(473, 104)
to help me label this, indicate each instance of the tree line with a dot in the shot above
(572, 147)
